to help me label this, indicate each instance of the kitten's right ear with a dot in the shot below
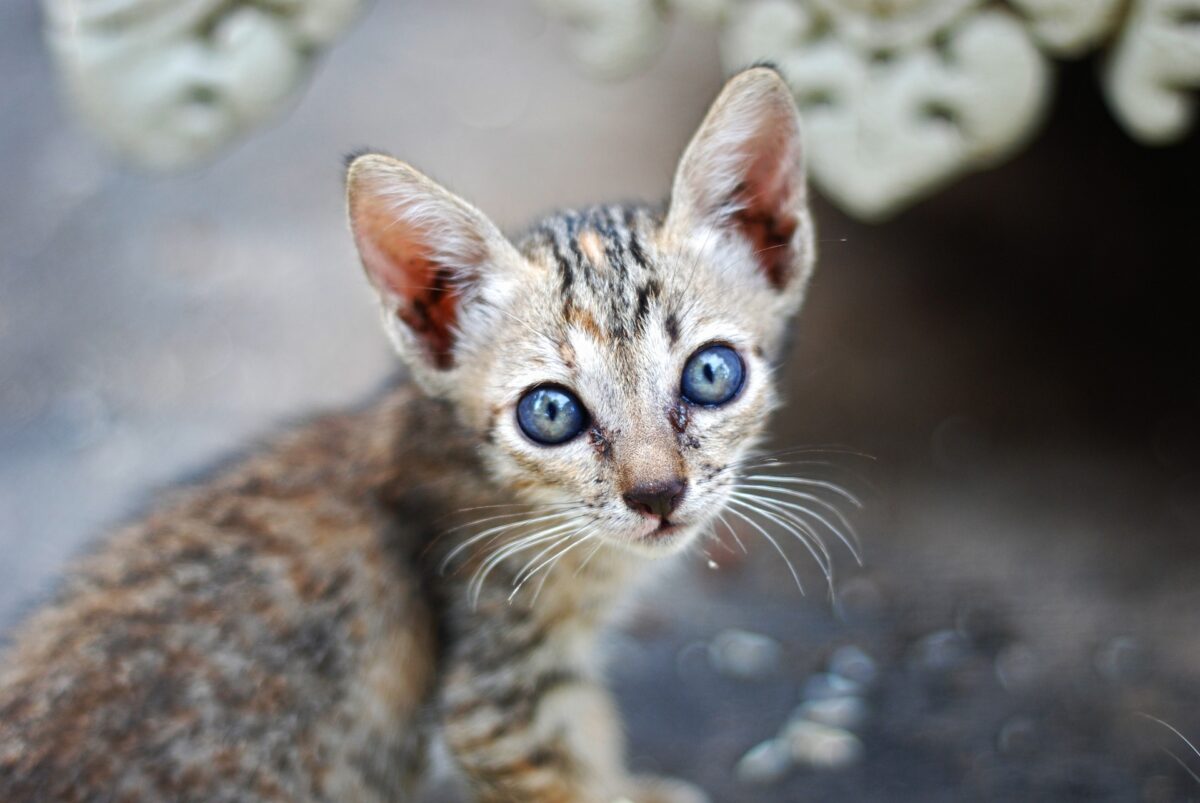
(425, 251)
(743, 173)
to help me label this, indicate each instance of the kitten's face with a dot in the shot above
(611, 334)
(614, 363)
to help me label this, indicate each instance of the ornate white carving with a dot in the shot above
(613, 37)
(168, 82)
(1069, 27)
(901, 96)
(890, 24)
(1155, 63)
(890, 121)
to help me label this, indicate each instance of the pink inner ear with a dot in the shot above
(766, 214)
(402, 267)
(433, 313)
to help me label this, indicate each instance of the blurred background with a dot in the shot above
(1016, 353)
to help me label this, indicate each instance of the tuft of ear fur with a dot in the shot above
(426, 252)
(743, 172)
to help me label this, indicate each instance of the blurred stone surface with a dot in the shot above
(765, 763)
(744, 655)
(830, 686)
(837, 712)
(821, 746)
(853, 663)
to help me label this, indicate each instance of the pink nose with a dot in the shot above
(656, 498)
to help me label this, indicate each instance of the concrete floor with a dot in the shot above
(149, 324)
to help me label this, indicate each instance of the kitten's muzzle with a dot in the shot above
(656, 499)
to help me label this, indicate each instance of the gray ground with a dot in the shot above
(1025, 594)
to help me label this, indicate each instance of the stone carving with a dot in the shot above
(902, 96)
(169, 82)
(1152, 68)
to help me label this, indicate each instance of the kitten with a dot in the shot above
(442, 560)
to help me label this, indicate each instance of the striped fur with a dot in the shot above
(298, 628)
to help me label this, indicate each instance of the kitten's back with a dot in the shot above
(236, 643)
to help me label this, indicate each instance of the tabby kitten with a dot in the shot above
(441, 561)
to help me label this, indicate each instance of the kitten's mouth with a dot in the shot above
(661, 537)
(665, 528)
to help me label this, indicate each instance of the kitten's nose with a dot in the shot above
(656, 498)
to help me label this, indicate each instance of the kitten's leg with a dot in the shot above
(533, 731)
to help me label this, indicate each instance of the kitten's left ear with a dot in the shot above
(743, 173)
(428, 254)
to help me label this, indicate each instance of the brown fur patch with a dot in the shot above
(771, 238)
(432, 310)
(592, 247)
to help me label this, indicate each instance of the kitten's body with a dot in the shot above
(296, 628)
(275, 634)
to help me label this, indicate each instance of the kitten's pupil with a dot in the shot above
(552, 411)
(709, 373)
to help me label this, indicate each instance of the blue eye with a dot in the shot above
(550, 415)
(712, 376)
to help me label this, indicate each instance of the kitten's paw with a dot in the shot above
(653, 789)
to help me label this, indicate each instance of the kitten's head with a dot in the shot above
(614, 359)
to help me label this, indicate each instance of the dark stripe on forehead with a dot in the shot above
(571, 221)
(634, 245)
(646, 293)
(566, 274)
(616, 287)
(614, 249)
(671, 324)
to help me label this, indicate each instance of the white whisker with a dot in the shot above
(812, 543)
(851, 541)
(1182, 763)
(498, 529)
(1173, 730)
(550, 561)
(843, 450)
(774, 543)
(475, 587)
(486, 519)
(519, 579)
(519, 576)
(829, 486)
(733, 532)
(528, 507)
(588, 559)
